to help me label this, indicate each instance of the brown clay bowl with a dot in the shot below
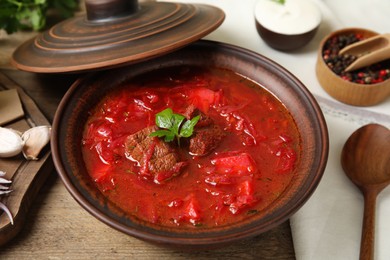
(345, 91)
(284, 35)
(86, 92)
(284, 42)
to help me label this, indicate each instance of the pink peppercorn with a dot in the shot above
(375, 73)
(382, 73)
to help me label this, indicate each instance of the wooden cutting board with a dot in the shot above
(27, 176)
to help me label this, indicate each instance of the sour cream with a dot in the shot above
(293, 17)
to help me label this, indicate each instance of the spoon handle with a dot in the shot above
(373, 50)
(367, 244)
(369, 59)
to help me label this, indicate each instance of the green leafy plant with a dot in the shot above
(174, 125)
(282, 2)
(18, 15)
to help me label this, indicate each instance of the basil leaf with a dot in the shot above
(164, 119)
(282, 2)
(31, 14)
(169, 137)
(160, 133)
(172, 125)
(188, 127)
(177, 120)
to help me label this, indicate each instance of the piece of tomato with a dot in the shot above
(191, 211)
(244, 197)
(234, 163)
(162, 176)
(218, 179)
(243, 126)
(203, 98)
(286, 159)
(103, 178)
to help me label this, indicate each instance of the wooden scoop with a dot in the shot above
(370, 51)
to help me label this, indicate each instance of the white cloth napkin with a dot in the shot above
(328, 226)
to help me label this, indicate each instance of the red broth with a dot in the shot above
(245, 173)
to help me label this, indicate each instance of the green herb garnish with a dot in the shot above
(174, 125)
(18, 15)
(282, 2)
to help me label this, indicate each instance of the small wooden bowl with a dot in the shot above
(345, 91)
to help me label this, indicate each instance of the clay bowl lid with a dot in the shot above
(113, 33)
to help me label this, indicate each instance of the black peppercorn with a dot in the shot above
(338, 63)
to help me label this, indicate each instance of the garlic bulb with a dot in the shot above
(34, 140)
(11, 143)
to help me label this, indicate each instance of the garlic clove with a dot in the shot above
(11, 143)
(35, 139)
(8, 212)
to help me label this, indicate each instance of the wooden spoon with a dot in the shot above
(366, 161)
(370, 51)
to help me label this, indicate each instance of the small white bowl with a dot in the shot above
(287, 26)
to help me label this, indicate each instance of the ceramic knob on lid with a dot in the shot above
(103, 10)
(115, 33)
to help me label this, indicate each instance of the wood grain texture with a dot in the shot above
(78, 44)
(27, 176)
(58, 228)
(365, 159)
(369, 51)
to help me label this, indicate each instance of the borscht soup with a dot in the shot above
(191, 147)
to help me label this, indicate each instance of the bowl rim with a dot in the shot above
(212, 239)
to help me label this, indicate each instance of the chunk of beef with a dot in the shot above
(192, 112)
(205, 139)
(155, 158)
(207, 135)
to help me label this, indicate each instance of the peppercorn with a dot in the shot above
(372, 74)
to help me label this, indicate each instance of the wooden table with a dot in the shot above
(58, 228)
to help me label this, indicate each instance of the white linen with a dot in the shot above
(328, 226)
